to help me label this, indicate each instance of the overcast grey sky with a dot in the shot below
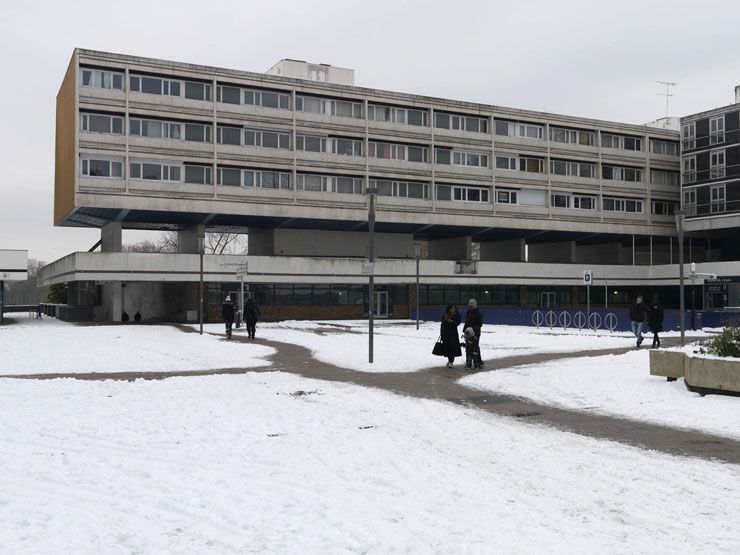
(587, 58)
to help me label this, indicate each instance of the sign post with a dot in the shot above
(587, 281)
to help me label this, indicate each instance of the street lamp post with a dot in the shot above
(417, 255)
(201, 248)
(680, 215)
(372, 191)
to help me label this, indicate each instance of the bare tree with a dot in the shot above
(225, 243)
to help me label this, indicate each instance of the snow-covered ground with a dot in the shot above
(399, 347)
(238, 464)
(618, 385)
(31, 346)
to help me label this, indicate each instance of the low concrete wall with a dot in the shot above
(703, 375)
(667, 363)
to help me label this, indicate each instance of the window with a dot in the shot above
(266, 179)
(689, 169)
(343, 108)
(507, 162)
(560, 200)
(101, 123)
(716, 164)
(197, 91)
(469, 194)
(523, 130)
(689, 202)
(622, 205)
(198, 132)
(572, 136)
(619, 173)
(155, 85)
(664, 208)
(461, 158)
(584, 202)
(506, 197)
(101, 167)
(229, 177)
(330, 184)
(666, 148)
(230, 135)
(717, 198)
(392, 151)
(155, 129)
(155, 171)
(229, 94)
(102, 79)
(717, 130)
(688, 133)
(567, 200)
(267, 139)
(198, 174)
(473, 124)
(407, 189)
(391, 114)
(664, 177)
(573, 169)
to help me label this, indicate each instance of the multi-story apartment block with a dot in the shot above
(710, 184)
(287, 156)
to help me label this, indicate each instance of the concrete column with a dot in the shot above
(511, 250)
(111, 237)
(451, 248)
(187, 239)
(559, 252)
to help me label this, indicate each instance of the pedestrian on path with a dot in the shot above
(227, 313)
(472, 350)
(251, 316)
(474, 319)
(448, 334)
(638, 315)
(655, 320)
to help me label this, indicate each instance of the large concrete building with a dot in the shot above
(510, 205)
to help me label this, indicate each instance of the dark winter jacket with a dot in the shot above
(638, 312)
(448, 335)
(227, 311)
(473, 319)
(251, 312)
(655, 318)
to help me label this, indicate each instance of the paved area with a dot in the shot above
(441, 384)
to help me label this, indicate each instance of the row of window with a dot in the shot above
(717, 200)
(716, 132)
(717, 166)
(233, 94)
(249, 178)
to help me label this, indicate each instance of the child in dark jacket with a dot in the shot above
(472, 349)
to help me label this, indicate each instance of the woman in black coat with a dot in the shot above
(655, 321)
(448, 334)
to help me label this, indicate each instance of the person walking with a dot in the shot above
(655, 320)
(638, 315)
(251, 316)
(448, 334)
(474, 319)
(227, 313)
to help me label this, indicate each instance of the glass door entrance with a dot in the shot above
(380, 304)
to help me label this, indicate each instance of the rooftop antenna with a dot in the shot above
(667, 93)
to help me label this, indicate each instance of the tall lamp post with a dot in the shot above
(417, 255)
(372, 191)
(680, 216)
(201, 249)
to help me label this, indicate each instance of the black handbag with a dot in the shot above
(439, 348)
